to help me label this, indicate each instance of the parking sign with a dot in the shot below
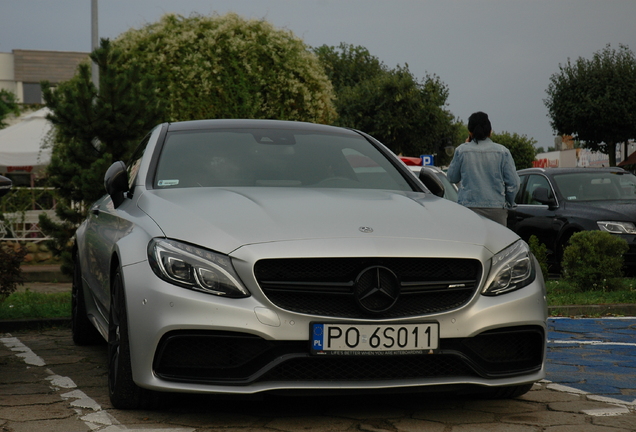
(427, 160)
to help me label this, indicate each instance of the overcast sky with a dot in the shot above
(495, 56)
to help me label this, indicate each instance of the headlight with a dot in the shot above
(192, 267)
(617, 227)
(511, 269)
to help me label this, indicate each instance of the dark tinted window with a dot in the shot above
(31, 93)
(596, 186)
(534, 182)
(273, 158)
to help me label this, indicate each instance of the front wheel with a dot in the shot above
(123, 392)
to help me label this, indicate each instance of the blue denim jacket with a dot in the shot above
(487, 174)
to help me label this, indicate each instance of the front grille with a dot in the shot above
(228, 358)
(326, 286)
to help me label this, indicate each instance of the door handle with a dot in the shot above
(95, 211)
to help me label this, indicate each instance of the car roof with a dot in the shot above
(255, 124)
(556, 171)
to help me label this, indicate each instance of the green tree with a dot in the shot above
(348, 65)
(229, 67)
(521, 147)
(404, 113)
(8, 105)
(93, 128)
(595, 100)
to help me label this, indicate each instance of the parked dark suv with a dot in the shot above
(554, 203)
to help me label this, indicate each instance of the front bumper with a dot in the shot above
(188, 341)
(240, 359)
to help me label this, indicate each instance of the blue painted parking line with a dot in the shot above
(594, 355)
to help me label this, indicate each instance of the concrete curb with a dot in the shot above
(595, 310)
(7, 326)
(44, 273)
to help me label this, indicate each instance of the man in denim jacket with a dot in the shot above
(486, 170)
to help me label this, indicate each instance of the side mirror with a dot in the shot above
(116, 182)
(431, 182)
(5, 185)
(542, 195)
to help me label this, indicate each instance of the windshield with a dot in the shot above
(597, 186)
(274, 158)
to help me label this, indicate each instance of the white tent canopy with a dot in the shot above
(21, 144)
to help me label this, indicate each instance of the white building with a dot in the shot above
(578, 157)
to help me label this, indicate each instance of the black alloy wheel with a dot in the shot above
(123, 392)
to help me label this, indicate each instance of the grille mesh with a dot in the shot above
(325, 286)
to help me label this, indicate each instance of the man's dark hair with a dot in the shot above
(479, 126)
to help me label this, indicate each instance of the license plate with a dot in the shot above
(373, 339)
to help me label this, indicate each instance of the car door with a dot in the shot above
(530, 217)
(101, 232)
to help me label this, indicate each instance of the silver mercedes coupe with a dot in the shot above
(248, 256)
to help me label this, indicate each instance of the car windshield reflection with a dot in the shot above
(597, 186)
(273, 158)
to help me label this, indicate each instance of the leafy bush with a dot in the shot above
(540, 251)
(11, 256)
(594, 261)
(229, 67)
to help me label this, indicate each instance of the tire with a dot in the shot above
(83, 330)
(123, 392)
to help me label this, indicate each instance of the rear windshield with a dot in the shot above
(273, 158)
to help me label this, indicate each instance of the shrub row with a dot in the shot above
(592, 261)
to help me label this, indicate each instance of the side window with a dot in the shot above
(534, 182)
(521, 192)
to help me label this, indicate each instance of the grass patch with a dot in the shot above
(561, 293)
(29, 305)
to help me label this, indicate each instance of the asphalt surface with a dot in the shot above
(49, 384)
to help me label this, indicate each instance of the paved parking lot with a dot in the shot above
(49, 384)
(594, 355)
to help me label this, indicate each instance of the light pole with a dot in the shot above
(94, 41)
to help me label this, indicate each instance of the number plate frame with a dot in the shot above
(329, 338)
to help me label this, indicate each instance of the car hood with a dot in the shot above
(224, 219)
(617, 210)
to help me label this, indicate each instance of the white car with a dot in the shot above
(248, 256)
(432, 176)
